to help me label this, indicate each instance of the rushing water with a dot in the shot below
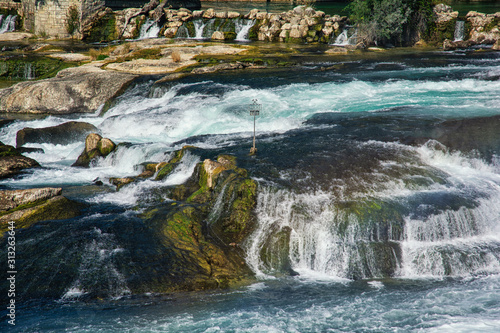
(378, 206)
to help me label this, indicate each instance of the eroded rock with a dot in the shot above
(74, 90)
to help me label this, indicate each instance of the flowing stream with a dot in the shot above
(378, 206)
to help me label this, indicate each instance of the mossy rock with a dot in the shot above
(194, 262)
(169, 166)
(103, 30)
(229, 35)
(253, 32)
(56, 208)
(38, 67)
(6, 150)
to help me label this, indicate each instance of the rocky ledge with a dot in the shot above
(73, 90)
(27, 207)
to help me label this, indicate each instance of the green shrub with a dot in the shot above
(391, 21)
(72, 20)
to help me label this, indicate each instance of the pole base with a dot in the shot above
(253, 151)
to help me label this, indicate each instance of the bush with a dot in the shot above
(72, 20)
(176, 56)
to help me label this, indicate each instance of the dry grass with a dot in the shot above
(176, 56)
(99, 54)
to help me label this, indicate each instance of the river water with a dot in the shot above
(382, 169)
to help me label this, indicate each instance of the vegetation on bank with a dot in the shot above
(396, 22)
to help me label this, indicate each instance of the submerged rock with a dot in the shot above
(69, 132)
(74, 90)
(95, 146)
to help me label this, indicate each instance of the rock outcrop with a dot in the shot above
(484, 28)
(74, 90)
(12, 162)
(69, 132)
(27, 207)
(95, 146)
(201, 230)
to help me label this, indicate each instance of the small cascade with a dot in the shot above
(182, 32)
(8, 24)
(459, 31)
(149, 29)
(345, 39)
(204, 29)
(242, 28)
(199, 26)
(342, 39)
(29, 72)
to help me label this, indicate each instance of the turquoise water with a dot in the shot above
(383, 168)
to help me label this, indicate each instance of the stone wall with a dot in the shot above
(50, 16)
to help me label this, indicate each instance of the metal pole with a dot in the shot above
(254, 133)
(254, 111)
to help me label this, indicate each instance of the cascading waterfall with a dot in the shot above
(8, 24)
(205, 30)
(149, 29)
(242, 28)
(346, 37)
(316, 234)
(182, 32)
(342, 39)
(459, 31)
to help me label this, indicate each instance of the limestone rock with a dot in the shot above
(50, 205)
(95, 146)
(13, 199)
(209, 13)
(69, 132)
(73, 90)
(252, 14)
(218, 35)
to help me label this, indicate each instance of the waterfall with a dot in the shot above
(324, 239)
(182, 32)
(29, 73)
(434, 231)
(204, 29)
(242, 27)
(342, 39)
(8, 24)
(459, 31)
(149, 29)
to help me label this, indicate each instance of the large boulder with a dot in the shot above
(12, 162)
(66, 133)
(73, 90)
(95, 146)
